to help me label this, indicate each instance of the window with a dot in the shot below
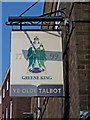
(28, 116)
(6, 113)
(3, 92)
(3, 116)
(0, 99)
(58, 14)
(11, 109)
(38, 112)
(7, 84)
(59, 8)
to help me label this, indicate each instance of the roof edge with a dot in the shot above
(5, 77)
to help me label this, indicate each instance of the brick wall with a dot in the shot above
(83, 53)
(6, 99)
(0, 111)
(20, 105)
(79, 63)
(78, 50)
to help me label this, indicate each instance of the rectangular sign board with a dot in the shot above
(36, 64)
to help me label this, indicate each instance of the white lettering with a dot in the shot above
(50, 90)
(55, 90)
(23, 90)
(27, 91)
(40, 90)
(16, 90)
(59, 90)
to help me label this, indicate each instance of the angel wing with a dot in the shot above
(28, 55)
(41, 57)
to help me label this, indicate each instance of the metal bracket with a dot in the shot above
(33, 21)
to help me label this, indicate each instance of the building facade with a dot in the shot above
(14, 107)
(78, 50)
(75, 36)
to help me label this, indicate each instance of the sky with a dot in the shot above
(12, 9)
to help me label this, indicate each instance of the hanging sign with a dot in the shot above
(36, 64)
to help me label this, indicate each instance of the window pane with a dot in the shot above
(3, 92)
(10, 109)
(7, 85)
(6, 113)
